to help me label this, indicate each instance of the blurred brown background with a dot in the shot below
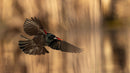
(100, 27)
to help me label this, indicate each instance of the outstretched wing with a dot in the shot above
(64, 46)
(30, 47)
(33, 26)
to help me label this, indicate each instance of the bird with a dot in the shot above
(41, 38)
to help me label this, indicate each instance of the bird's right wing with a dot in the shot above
(33, 26)
(64, 46)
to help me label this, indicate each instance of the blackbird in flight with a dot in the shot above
(36, 46)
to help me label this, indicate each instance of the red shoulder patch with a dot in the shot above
(45, 31)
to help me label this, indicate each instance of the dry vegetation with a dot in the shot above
(100, 27)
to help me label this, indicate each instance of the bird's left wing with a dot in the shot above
(64, 46)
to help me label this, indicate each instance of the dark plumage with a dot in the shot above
(36, 46)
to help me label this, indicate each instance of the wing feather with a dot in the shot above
(33, 26)
(64, 46)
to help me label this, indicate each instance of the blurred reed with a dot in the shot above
(99, 27)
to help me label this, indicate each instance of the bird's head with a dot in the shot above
(51, 37)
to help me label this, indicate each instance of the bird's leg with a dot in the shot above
(24, 37)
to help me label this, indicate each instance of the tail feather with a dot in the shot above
(29, 47)
(23, 44)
